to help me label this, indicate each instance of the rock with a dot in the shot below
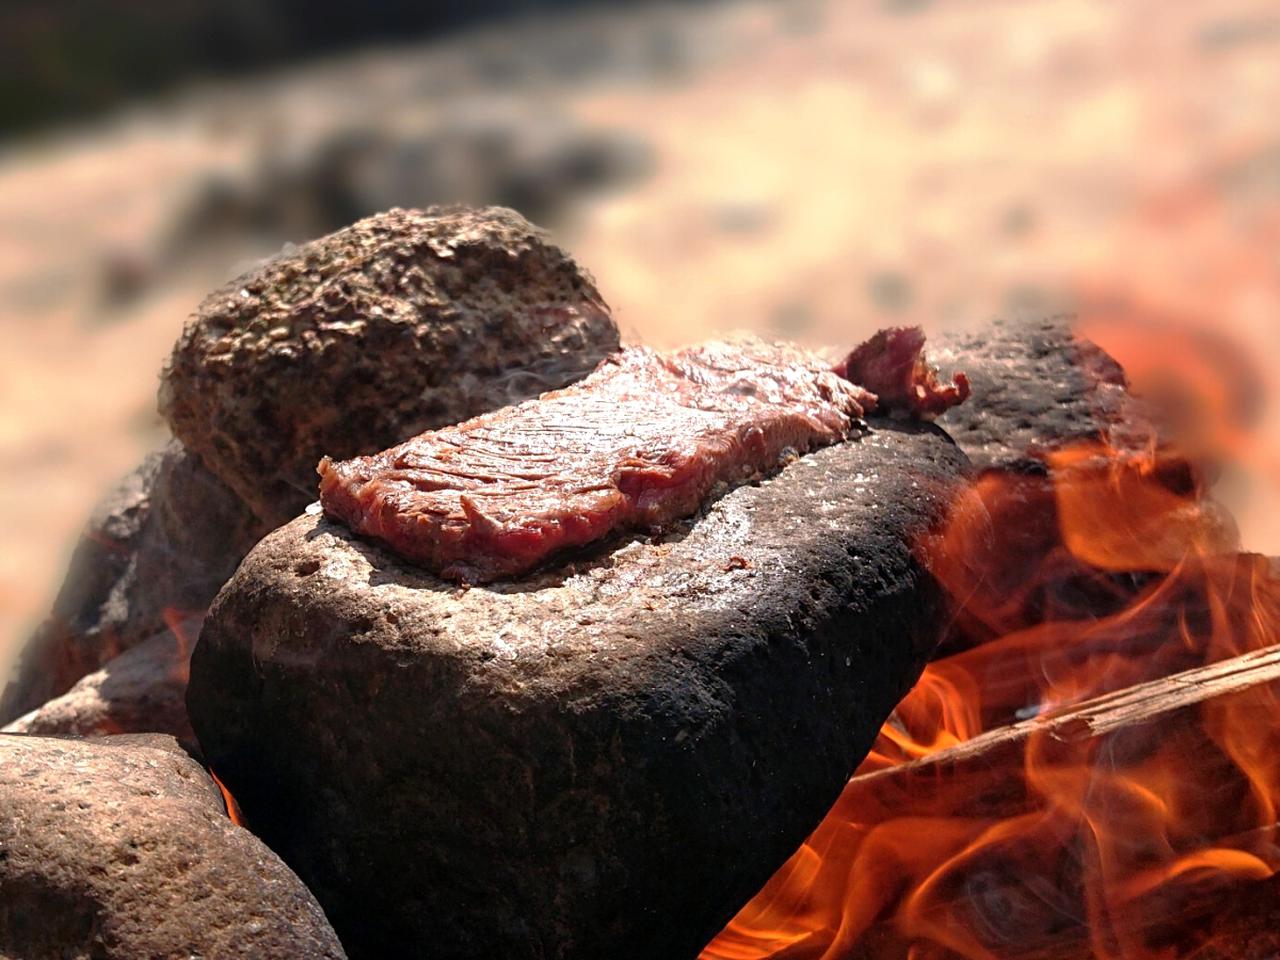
(479, 149)
(1036, 385)
(157, 548)
(141, 691)
(603, 760)
(121, 848)
(399, 323)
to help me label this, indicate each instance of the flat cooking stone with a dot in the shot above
(604, 760)
(120, 848)
(1036, 386)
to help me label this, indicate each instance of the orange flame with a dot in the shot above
(184, 625)
(228, 801)
(1108, 569)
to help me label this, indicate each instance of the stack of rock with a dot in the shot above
(120, 846)
(603, 759)
(401, 322)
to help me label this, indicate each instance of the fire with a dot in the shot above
(184, 626)
(996, 816)
(228, 801)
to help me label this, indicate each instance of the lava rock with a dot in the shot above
(1036, 385)
(157, 549)
(402, 322)
(121, 848)
(607, 758)
(141, 691)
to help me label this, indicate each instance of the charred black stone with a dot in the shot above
(1036, 385)
(141, 691)
(159, 545)
(605, 759)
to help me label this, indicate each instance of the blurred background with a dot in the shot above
(809, 169)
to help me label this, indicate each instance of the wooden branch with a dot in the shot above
(990, 766)
(1024, 898)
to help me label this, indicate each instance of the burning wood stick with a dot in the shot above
(1114, 827)
(1104, 597)
(1249, 927)
(920, 788)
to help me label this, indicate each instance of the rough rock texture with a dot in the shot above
(141, 691)
(1035, 385)
(603, 760)
(121, 848)
(402, 322)
(158, 547)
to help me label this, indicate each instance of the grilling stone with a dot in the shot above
(1035, 385)
(605, 759)
(402, 322)
(120, 848)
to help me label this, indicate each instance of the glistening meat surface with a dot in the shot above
(893, 366)
(642, 441)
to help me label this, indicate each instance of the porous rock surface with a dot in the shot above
(156, 549)
(120, 848)
(1036, 385)
(605, 759)
(141, 691)
(401, 322)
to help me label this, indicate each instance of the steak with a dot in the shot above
(637, 444)
(893, 366)
(641, 442)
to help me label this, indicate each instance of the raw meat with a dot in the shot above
(640, 442)
(892, 366)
